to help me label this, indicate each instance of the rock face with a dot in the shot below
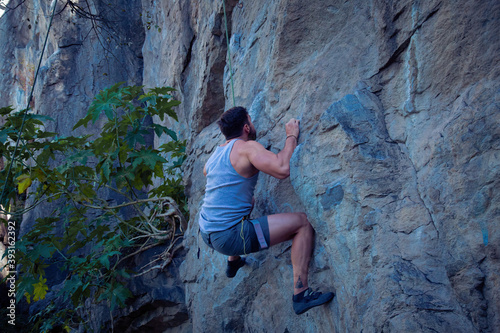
(398, 164)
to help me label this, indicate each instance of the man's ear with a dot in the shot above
(246, 128)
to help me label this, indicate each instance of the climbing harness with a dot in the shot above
(53, 8)
(258, 232)
(228, 52)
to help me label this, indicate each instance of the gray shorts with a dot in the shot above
(230, 242)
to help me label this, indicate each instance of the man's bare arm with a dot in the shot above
(276, 165)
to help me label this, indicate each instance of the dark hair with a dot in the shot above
(232, 121)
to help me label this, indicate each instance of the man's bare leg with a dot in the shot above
(233, 258)
(295, 226)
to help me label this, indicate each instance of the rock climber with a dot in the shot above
(232, 172)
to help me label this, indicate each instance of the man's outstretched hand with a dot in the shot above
(292, 128)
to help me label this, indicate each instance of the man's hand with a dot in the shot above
(276, 165)
(292, 128)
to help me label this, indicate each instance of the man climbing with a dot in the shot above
(232, 173)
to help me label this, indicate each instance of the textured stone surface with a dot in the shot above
(398, 164)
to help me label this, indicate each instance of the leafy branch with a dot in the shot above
(115, 197)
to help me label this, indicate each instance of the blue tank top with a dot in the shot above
(228, 195)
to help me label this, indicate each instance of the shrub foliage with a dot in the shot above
(109, 196)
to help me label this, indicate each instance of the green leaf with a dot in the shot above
(23, 182)
(81, 156)
(122, 272)
(40, 289)
(104, 259)
(123, 153)
(136, 136)
(159, 130)
(39, 117)
(6, 110)
(80, 293)
(122, 176)
(147, 156)
(44, 135)
(25, 287)
(99, 231)
(83, 122)
(105, 102)
(118, 295)
(42, 250)
(5, 133)
(106, 171)
(172, 134)
(165, 107)
(87, 190)
(72, 284)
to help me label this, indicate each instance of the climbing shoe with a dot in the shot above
(233, 266)
(309, 299)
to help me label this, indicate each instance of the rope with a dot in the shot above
(228, 51)
(242, 235)
(53, 5)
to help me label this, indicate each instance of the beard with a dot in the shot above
(252, 135)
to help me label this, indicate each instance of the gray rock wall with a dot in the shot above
(77, 62)
(397, 166)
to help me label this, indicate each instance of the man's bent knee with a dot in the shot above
(304, 220)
